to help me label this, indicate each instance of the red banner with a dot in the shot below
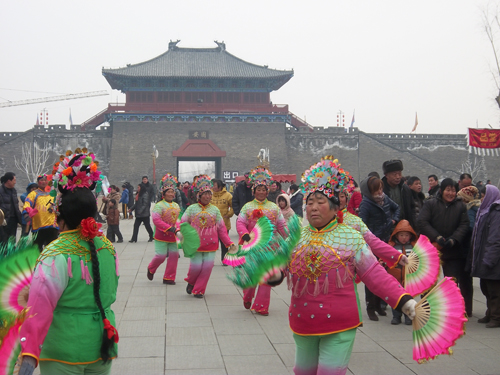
(484, 138)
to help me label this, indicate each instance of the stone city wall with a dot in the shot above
(125, 148)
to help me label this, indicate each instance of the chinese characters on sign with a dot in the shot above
(229, 176)
(198, 134)
(484, 138)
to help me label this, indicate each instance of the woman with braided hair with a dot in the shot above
(69, 328)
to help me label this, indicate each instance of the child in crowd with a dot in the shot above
(113, 219)
(403, 238)
(284, 204)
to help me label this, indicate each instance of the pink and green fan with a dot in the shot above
(422, 269)
(190, 240)
(439, 321)
(260, 236)
(262, 263)
(10, 348)
(17, 263)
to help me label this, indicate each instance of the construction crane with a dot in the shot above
(54, 98)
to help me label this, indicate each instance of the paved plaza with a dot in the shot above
(163, 330)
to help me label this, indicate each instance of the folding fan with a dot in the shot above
(260, 236)
(191, 240)
(422, 269)
(262, 263)
(439, 321)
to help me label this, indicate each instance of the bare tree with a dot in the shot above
(491, 24)
(476, 168)
(34, 160)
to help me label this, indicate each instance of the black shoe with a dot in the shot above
(408, 321)
(198, 295)
(150, 239)
(493, 324)
(150, 275)
(380, 311)
(483, 320)
(119, 241)
(169, 282)
(132, 241)
(372, 315)
(189, 289)
(396, 321)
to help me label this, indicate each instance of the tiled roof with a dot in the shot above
(197, 63)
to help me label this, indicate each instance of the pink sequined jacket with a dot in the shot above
(387, 253)
(322, 273)
(165, 216)
(209, 224)
(253, 211)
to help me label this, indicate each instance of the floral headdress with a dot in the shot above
(261, 176)
(74, 170)
(327, 177)
(201, 184)
(169, 181)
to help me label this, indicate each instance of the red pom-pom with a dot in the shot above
(340, 216)
(89, 228)
(257, 214)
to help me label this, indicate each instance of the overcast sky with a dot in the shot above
(385, 59)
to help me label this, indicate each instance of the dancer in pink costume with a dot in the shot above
(249, 214)
(208, 222)
(165, 218)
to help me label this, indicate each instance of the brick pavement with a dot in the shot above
(163, 330)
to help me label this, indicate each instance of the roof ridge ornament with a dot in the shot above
(173, 45)
(221, 45)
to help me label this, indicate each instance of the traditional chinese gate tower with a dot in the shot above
(205, 93)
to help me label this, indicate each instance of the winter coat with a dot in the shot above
(354, 202)
(242, 195)
(8, 199)
(113, 217)
(272, 196)
(296, 201)
(433, 192)
(407, 204)
(125, 197)
(223, 201)
(403, 226)
(287, 211)
(378, 218)
(418, 201)
(142, 205)
(184, 199)
(448, 220)
(486, 252)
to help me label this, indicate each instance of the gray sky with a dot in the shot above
(385, 59)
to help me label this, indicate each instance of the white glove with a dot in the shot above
(179, 236)
(403, 261)
(233, 249)
(409, 309)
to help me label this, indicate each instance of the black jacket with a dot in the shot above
(450, 221)
(486, 252)
(376, 217)
(8, 199)
(142, 205)
(296, 203)
(433, 192)
(418, 201)
(408, 206)
(242, 195)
